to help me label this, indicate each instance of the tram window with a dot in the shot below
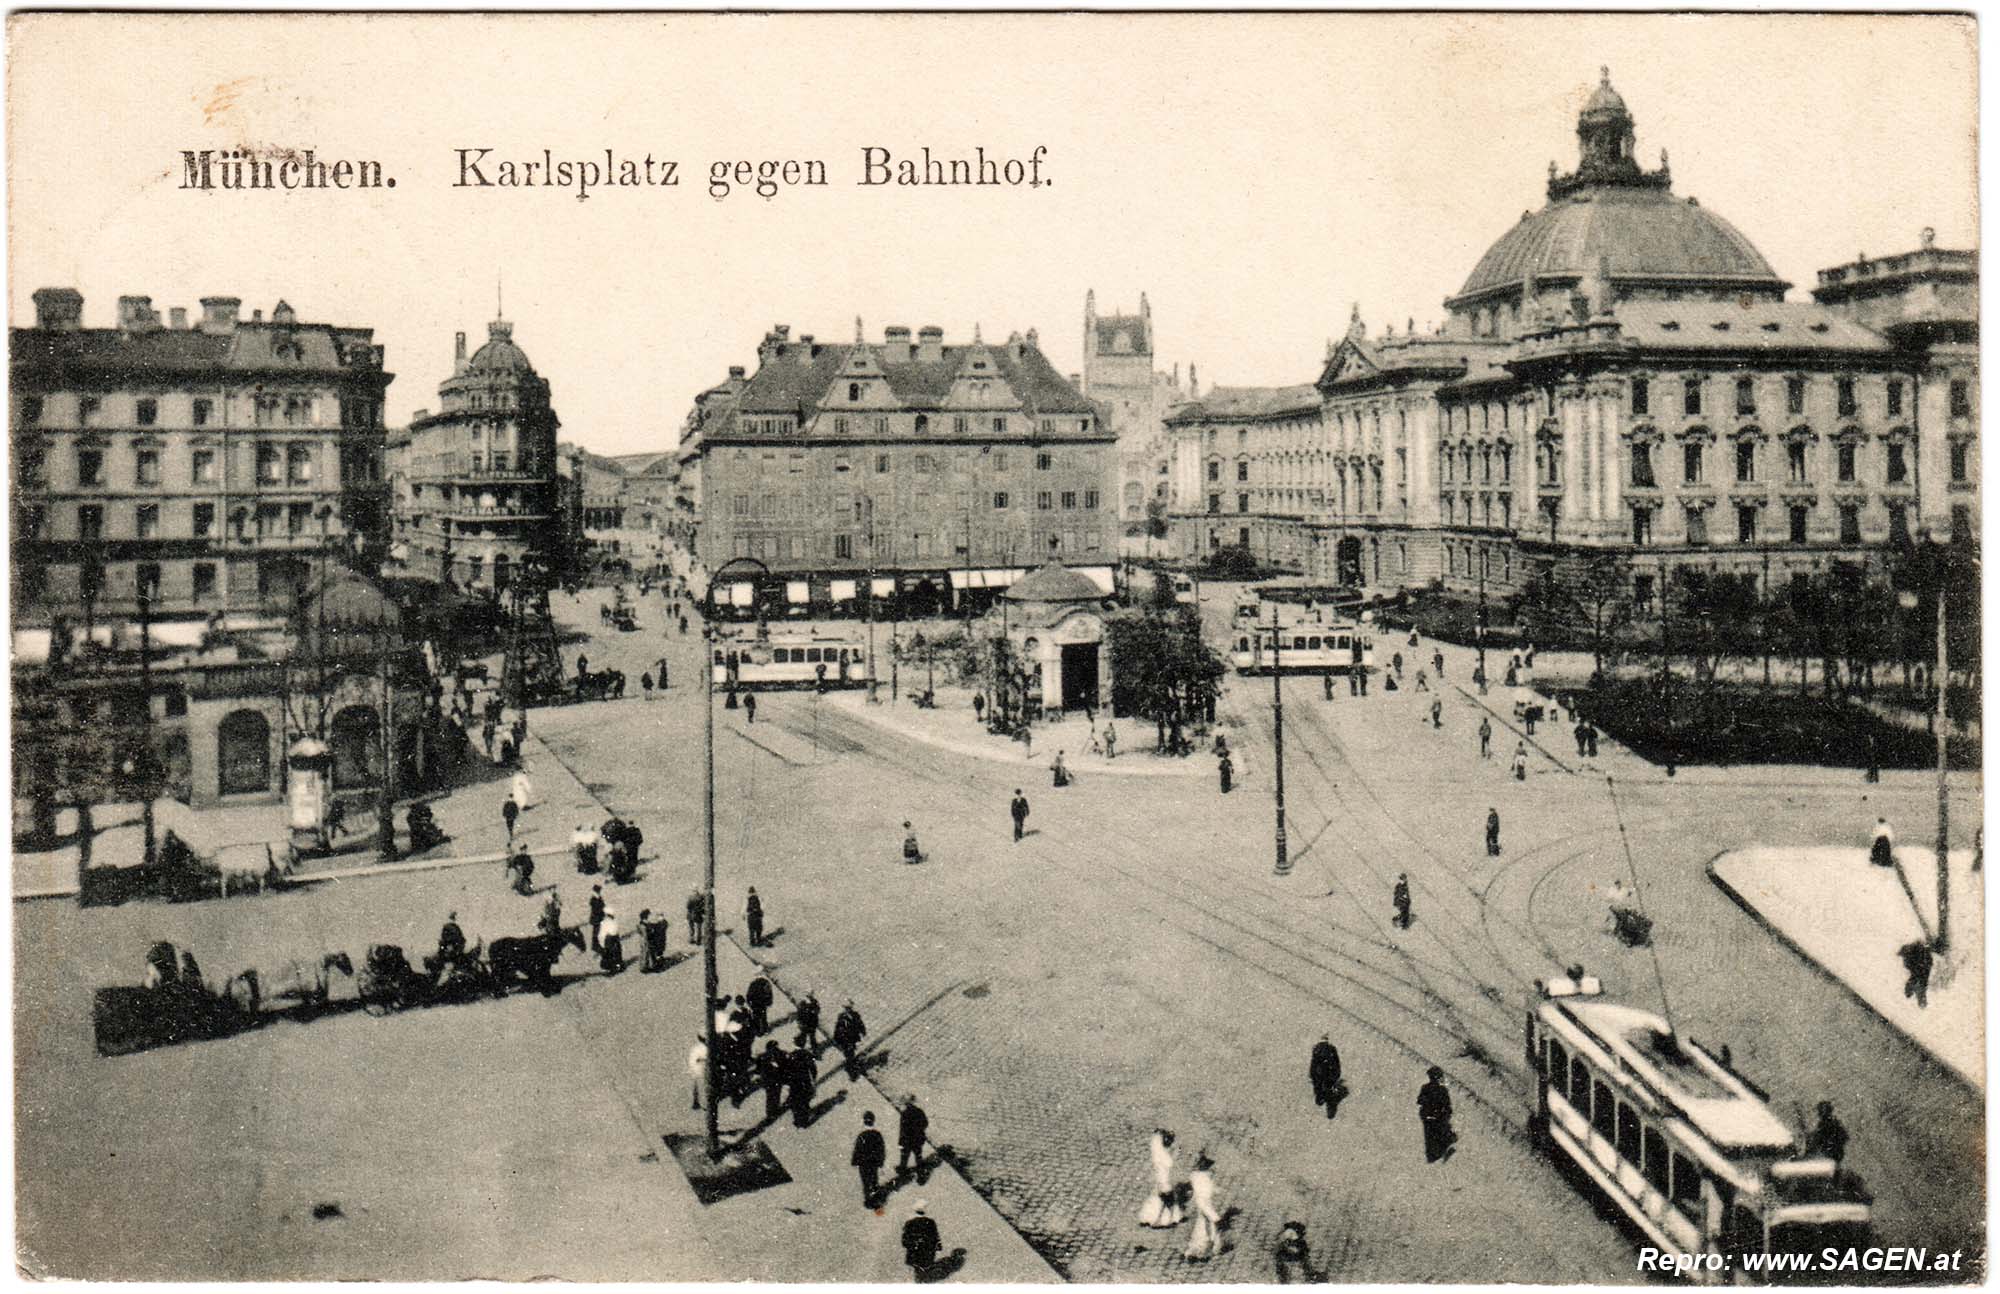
(1655, 1165)
(1603, 1110)
(1628, 1133)
(1312, 644)
(1558, 1069)
(812, 655)
(718, 656)
(1341, 643)
(1687, 1186)
(1579, 1086)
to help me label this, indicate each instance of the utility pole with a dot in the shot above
(1481, 626)
(708, 975)
(868, 606)
(1284, 867)
(1943, 795)
(385, 809)
(147, 786)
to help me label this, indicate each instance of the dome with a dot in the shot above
(1633, 233)
(1605, 101)
(499, 354)
(1054, 582)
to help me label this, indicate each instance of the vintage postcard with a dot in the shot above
(996, 648)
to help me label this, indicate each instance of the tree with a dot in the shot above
(1232, 562)
(1603, 601)
(1161, 669)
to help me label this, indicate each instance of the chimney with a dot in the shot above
(179, 316)
(1034, 339)
(736, 372)
(896, 344)
(256, 316)
(282, 313)
(458, 356)
(805, 350)
(135, 314)
(218, 314)
(930, 344)
(58, 308)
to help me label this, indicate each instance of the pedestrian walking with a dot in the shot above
(1110, 740)
(869, 1155)
(1423, 682)
(660, 673)
(486, 732)
(1058, 773)
(1225, 769)
(1323, 1071)
(1326, 682)
(801, 1077)
(911, 1128)
(1434, 1112)
(1520, 761)
(1579, 739)
(848, 1031)
(684, 626)
(759, 998)
(921, 1243)
(1493, 833)
(1437, 713)
(1828, 1138)
(596, 915)
(1882, 849)
(1396, 664)
(523, 792)
(509, 812)
(1161, 1209)
(1019, 810)
(808, 1021)
(1206, 1242)
(646, 685)
(612, 944)
(1401, 898)
(771, 1068)
(694, 912)
(749, 707)
(583, 841)
(1437, 663)
(653, 939)
(1292, 1256)
(1917, 960)
(1590, 738)
(1486, 736)
(698, 1070)
(753, 916)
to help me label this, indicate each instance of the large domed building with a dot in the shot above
(476, 484)
(1619, 377)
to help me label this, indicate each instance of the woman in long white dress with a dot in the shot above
(1161, 1209)
(1206, 1241)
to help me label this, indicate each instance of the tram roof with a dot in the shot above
(1714, 1101)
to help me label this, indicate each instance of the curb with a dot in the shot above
(1110, 767)
(1508, 724)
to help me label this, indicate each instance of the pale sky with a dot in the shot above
(1254, 175)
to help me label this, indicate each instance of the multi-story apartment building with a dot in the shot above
(477, 487)
(1621, 375)
(1254, 458)
(933, 470)
(210, 465)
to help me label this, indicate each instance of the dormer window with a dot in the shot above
(853, 391)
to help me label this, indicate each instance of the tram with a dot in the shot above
(1304, 648)
(1685, 1147)
(790, 660)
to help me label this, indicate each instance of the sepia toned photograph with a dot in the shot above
(993, 648)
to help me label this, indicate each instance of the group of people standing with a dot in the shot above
(1162, 1209)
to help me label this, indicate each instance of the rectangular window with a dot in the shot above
(923, 464)
(961, 425)
(1642, 395)
(1844, 461)
(204, 467)
(1961, 524)
(1746, 396)
(298, 464)
(90, 467)
(148, 580)
(1697, 522)
(1799, 519)
(1069, 498)
(1691, 396)
(881, 426)
(840, 463)
(1642, 466)
(1214, 471)
(797, 461)
(1000, 426)
(742, 546)
(1795, 395)
(999, 499)
(843, 547)
(1746, 461)
(1000, 460)
(740, 505)
(204, 581)
(1899, 468)
(1850, 524)
(1045, 500)
(881, 463)
(86, 409)
(1654, 1167)
(798, 547)
(204, 520)
(1691, 463)
(1215, 503)
(1795, 462)
(1845, 389)
(1899, 524)
(1243, 537)
(146, 468)
(147, 412)
(1243, 503)
(1642, 526)
(1746, 525)
(1961, 454)
(1961, 398)
(1895, 398)
(1242, 470)
(1090, 500)
(90, 522)
(1044, 461)
(149, 521)
(268, 465)
(295, 518)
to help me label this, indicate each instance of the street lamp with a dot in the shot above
(709, 978)
(1284, 867)
(1930, 566)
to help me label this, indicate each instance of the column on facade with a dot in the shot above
(1423, 453)
(1605, 400)
(1569, 420)
(1932, 451)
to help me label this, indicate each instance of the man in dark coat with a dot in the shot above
(695, 906)
(749, 707)
(753, 915)
(870, 1153)
(910, 1131)
(808, 1012)
(1493, 832)
(1917, 959)
(596, 913)
(771, 1071)
(509, 811)
(1324, 1072)
(848, 1031)
(1434, 1111)
(759, 998)
(1020, 811)
(653, 937)
(1828, 1137)
(801, 1077)
(921, 1243)
(1401, 898)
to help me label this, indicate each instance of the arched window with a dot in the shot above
(356, 752)
(244, 739)
(854, 390)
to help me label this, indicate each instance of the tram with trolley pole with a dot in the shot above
(790, 660)
(1302, 648)
(1685, 1147)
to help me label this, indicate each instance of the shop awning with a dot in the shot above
(797, 591)
(959, 579)
(843, 590)
(1098, 575)
(742, 595)
(881, 587)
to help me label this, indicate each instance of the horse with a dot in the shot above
(531, 958)
(294, 984)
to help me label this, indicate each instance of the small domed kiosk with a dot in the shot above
(1056, 624)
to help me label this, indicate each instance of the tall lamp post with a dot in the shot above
(709, 979)
(1284, 867)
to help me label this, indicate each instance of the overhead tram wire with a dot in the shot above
(1638, 896)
